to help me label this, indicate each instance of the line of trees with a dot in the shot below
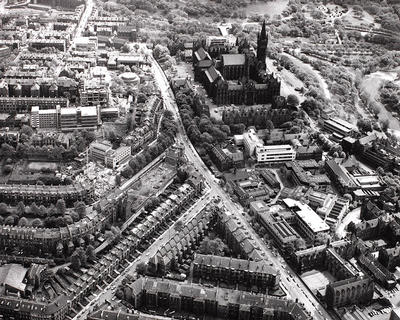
(33, 215)
(24, 149)
(164, 140)
(202, 130)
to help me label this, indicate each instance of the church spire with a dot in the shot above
(262, 44)
(263, 31)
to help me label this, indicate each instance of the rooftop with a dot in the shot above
(233, 59)
(88, 111)
(12, 275)
(308, 215)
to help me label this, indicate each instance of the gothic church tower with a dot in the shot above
(262, 44)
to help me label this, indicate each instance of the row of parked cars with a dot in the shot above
(379, 311)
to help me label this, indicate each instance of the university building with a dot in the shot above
(65, 119)
(275, 153)
(237, 78)
(112, 158)
(308, 221)
(351, 285)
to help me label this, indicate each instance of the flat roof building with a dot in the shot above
(338, 126)
(308, 220)
(251, 141)
(275, 153)
(98, 150)
(113, 158)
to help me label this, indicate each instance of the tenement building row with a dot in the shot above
(214, 302)
(90, 278)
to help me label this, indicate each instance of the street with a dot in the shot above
(109, 291)
(295, 287)
(82, 22)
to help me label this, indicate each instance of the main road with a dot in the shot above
(290, 281)
(82, 22)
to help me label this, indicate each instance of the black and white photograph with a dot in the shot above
(199, 159)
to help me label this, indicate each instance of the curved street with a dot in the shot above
(289, 280)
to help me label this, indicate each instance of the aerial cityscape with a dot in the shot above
(199, 160)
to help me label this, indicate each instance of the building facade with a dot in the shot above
(250, 274)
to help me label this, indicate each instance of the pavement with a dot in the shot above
(290, 281)
(109, 291)
(82, 22)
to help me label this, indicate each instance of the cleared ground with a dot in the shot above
(271, 8)
(37, 166)
(310, 70)
(316, 280)
(371, 85)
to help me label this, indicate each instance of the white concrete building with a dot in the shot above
(98, 150)
(44, 119)
(308, 221)
(114, 158)
(275, 153)
(251, 141)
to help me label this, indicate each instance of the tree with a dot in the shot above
(322, 238)
(7, 151)
(384, 125)
(23, 222)
(118, 180)
(76, 262)
(42, 211)
(10, 220)
(300, 244)
(212, 246)
(120, 294)
(178, 226)
(37, 223)
(61, 207)
(152, 203)
(269, 125)
(80, 209)
(182, 175)
(21, 209)
(3, 208)
(35, 209)
(142, 268)
(293, 100)
(90, 253)
(348, 197)
(127, 172)
(160, 51)
(68, 219)
(130, 122)
(7, 169)
(380, 170)
(27, 130)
